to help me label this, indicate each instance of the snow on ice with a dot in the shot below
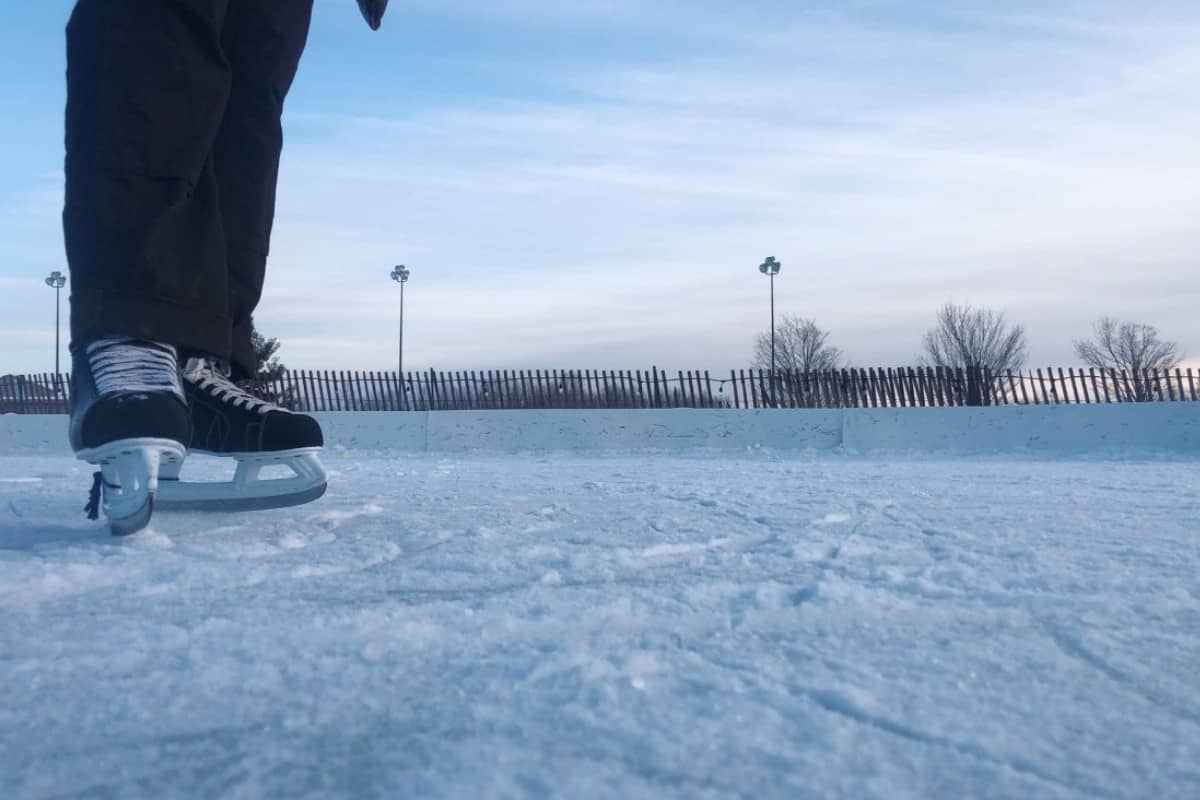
(698, 625)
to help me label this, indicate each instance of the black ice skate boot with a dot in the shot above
(129, 416)
(229, 421)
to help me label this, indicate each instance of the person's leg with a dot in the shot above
(147, 87)
(263, 40)
(147, 84)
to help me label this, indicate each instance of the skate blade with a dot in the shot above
(217, 504)
(247, 492)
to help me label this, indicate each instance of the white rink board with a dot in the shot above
(673, 429)
(1157, 427)
(1169, 427)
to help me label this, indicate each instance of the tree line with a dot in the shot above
(964, 336)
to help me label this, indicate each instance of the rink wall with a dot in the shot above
(1150, 427)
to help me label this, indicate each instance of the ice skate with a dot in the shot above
(128, 416)
(228, 421)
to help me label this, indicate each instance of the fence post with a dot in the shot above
(470, 392)
(974, 393)
(916, 398)
(850, 391)
(537, 390)
(1040, 383)
(327, 390)
(1083, 383)
(326, 386)
(299, 397)
(989, 387)
(1163, 376)
(379, 391)
(792, 387)
(304, 391)
(755, 390)
(896, 376)
(364, 382)
(521, 389)
(889, 386)
(498, 383)
(512, 393)
(1012, 389)
(1131, 392)
(934, 375)
(410, 391)
(591, 388)
(491, 388)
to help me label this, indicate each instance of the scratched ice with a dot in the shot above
(616, 626)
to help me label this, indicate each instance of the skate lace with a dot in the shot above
(212, 377)
(122, 365)
(96, 495)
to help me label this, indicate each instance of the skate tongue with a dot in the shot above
(198, 367)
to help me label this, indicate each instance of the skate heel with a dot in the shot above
(129, 471)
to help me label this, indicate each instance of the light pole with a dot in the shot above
(57, 281)
(771, 268)
(400, 275)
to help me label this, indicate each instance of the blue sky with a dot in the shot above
(592, 183)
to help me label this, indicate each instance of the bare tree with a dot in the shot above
(974, 337)
(800, 345)
(1132, 348)
(971, 338)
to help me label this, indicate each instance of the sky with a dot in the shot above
(592, 184)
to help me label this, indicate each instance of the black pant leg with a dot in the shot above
(147, 87)
(263, 40)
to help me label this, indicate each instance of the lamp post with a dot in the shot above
(771, 268)
(57, 281)
(400, 275)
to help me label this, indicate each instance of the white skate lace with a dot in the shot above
(211, 375)
(121, 365)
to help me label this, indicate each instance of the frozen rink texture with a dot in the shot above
(606, 625)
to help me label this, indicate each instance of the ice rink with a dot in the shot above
(611, 625)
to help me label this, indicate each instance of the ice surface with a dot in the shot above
(614, 626)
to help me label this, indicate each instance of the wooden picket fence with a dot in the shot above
(872, 387)
(34, 394)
